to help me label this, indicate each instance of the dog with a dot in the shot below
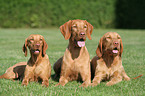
(38, 66)
(75, 63)
(15, 72)
(107, 65)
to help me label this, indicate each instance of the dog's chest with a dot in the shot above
(110, 70)
(75, 65)
(75, 70)
(78, 62)
(42, 67)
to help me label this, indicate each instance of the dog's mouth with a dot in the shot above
(81, 43)
(115, 50)
(37, 51)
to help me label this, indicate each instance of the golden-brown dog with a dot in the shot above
(74, 65)
(38, 66)
(15, 72)
(107, 65)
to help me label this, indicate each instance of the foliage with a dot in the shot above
(47, 13)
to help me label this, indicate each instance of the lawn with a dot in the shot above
(12, 40)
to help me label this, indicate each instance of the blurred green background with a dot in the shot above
(126, 14)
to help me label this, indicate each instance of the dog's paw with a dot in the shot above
(62, 84)
(24, 83)
(57, 84)
(84, 85)
(127, 79)
(94, 84)
(45, 83)
(110, 83)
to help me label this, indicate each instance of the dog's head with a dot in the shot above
(110, 43)
(36, 44)
(77, 30)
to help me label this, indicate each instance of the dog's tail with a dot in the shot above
(4, 76)
(138, 76)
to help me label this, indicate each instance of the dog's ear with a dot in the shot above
(25, 47)
(44, 48)
(121, 48)
(99, 49)
(89, 30)
(66, 30)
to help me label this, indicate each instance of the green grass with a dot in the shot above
(12, 40)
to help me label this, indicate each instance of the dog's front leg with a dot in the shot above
(28, 74)
(45, 78)
(99, 75)
(64, 78)
(62, 81)
(86, 77)
(45, 81)
(115, 78)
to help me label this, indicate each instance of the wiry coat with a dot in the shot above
(107, 65)
(74, 65)
(38, 66)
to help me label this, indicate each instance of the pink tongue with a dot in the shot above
(115, 51)
(36, 52)
(81, 43)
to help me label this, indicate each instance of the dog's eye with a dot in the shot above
(108, 37)
(40, 39)
(31, 40)
(85, 26)
(118, 37)
(74, 26)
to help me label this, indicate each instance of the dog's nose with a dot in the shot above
(116, 43)
(82, 34)
(37, 45)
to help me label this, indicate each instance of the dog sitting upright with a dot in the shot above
(75, 64)
(38, 66)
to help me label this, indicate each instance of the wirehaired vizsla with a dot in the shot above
(75, 63)
(107, 65)
(38, 65)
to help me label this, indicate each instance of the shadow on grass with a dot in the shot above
(55, 78)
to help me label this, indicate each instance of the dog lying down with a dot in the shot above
(38, 65)
(107, 65)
